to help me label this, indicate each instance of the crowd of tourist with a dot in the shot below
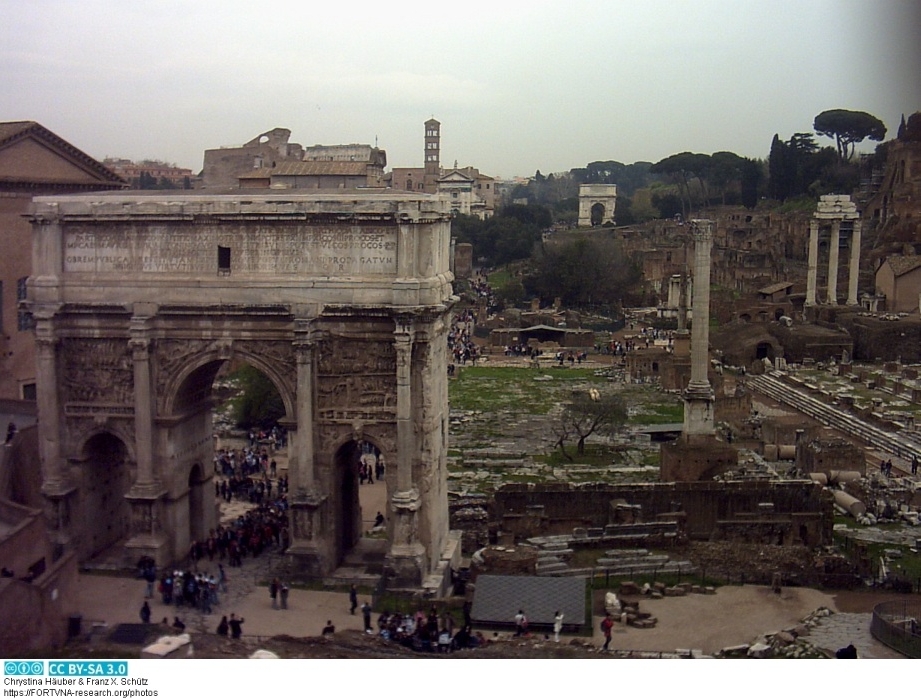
(460, 338)
(427, 633)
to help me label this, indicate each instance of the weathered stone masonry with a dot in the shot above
(342, 300)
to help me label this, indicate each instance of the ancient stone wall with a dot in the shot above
(563, 507)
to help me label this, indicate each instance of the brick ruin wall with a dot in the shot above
(713, 510)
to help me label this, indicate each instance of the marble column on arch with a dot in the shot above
(405, 560)
(57, 486)
(145, 495)
(306, 502)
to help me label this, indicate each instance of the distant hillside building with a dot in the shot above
(33, 161)
(895, 205)
(468, 191)
(154, 171)
(271, 161)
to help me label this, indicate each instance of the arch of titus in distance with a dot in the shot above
(341, 299)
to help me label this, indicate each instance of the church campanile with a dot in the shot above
(432, 156)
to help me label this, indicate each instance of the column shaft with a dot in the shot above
(833, 262)
(701, 307)
(403, 344)
(854, 267)
(49, 443)
(813, 262)
(304, 475)
(143, 412)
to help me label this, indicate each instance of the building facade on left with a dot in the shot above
(38, 587)
(33, 161)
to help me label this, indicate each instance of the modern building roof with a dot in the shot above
(902, 264)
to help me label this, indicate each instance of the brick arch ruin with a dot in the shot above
(341, 300)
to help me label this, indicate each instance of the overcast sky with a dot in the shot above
(517, 86)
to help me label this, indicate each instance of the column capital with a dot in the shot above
(701, 230)
(140, 348)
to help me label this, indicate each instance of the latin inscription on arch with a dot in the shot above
(270, 250)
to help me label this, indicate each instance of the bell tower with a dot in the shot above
(432, 156)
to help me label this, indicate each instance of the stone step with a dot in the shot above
(543, 568)
(639, 560)
(626, 553)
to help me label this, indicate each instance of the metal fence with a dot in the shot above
(897, 625)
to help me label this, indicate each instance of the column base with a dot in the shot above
(405, 564)
(147, 535)
(307, 553)
(404, 567)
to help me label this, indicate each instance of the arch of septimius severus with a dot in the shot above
(341, 300)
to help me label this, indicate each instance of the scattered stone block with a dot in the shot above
(629, 588)
(783, 638)
(739, 651)
(675, 592)
(759, 650)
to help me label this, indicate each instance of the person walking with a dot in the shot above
(353, 599)
(606, 625)
(145, 612)
(236, 626)
(366, 614)
(283, 595)
(557, 625)
(521, 623)
(273, 592)
(223, 627)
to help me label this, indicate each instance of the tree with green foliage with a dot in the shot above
(796, 167)
(725, 171)
(585, 272)
(590, 412)
(752, 174)
(848, 128)
(508, 236)
(260, 403)
(684, 167)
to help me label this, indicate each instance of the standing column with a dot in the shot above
(813, 262)
(143, 415)
(144, 495)
(854, 267)
(309, 550)
(700, 335)
(698, 397)
(404, 347)
(303, 471)
(833, 262)
(54, 480)
(405, 563)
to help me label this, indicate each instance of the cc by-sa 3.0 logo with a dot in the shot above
(23, 667)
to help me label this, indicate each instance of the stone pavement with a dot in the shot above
(116, 600)
(838, 630)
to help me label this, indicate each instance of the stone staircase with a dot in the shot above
(362, 566)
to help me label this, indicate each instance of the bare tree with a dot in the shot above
(589, 412)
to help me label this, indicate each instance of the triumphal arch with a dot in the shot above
(341, 299)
